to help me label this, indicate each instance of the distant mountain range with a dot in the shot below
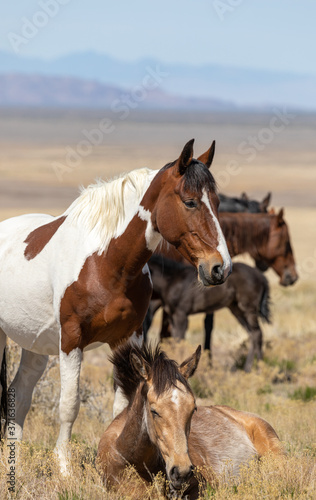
(59, 91)
(94, 77)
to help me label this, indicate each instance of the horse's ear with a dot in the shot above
(280, 217)
(244, 197)
(140, 366)
(265, 202)
(188, 367)
(185, 158)
(207, 157)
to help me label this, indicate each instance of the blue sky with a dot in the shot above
(268, 34)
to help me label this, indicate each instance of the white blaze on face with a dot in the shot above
(221, 247)
(175, 397)
(153, 238)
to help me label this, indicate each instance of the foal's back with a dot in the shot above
(217, 440)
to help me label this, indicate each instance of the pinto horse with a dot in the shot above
(72, 282)
(162, 429)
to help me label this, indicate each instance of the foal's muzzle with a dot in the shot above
(178, 478)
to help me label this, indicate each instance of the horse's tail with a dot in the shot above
(264, 311)
(4, 395)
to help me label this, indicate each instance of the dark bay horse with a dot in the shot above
(162, 429)
(265, 237)
(72, 282)
(245, 293)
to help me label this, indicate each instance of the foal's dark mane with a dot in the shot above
(165, 371)
(245, 232)
(196, 177)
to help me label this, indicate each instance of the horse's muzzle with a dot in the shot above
(216, 276)
(288, 278)
(177, 478)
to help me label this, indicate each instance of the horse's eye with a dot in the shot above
(154, 413)
(190, 203)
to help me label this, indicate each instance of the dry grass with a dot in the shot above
(276, 389)
(281, 388)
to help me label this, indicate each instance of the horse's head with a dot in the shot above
(186, 215)
(169, 406)
(278, 253)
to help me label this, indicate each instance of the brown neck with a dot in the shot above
(245, 232)
(139, 236)
(134, 443)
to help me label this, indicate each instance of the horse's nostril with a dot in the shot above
(174, 473)
(217, 272)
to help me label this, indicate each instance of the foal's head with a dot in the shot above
(168, 409)
(187, 214)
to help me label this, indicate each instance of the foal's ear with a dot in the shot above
(280, 217)
(185, 158)
(265, 202)
(207, 157)
(140, 366)
(188, 367)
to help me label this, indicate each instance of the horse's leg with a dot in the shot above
(3, 339)
(153, 307)
(69, 403)
(208, 327)
(179, 325)
(165, 332)
(248, 318)
(31, 369)
(120, 402)
(256, 334)
(3, 383)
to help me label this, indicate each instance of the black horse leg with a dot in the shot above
(208, 327)
(165, 331)
(153, 307)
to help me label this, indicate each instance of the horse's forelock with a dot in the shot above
(196, 176)
(164, 371)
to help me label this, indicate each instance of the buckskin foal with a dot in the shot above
(162, 429)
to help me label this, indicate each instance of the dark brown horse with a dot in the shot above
(72, 282)
(162, 429)
(245, 293)
(265, 237)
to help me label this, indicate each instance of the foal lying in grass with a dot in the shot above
(162, 429)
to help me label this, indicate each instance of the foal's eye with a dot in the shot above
(154, 413)
(190, 203)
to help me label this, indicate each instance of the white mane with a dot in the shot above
(104, 209)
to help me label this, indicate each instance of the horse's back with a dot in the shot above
(261, 433)
(216, 440)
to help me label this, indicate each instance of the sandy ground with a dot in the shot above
(37, 175)
(45, 156)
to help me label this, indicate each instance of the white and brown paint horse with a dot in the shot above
(71, 282)
(162, 429)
